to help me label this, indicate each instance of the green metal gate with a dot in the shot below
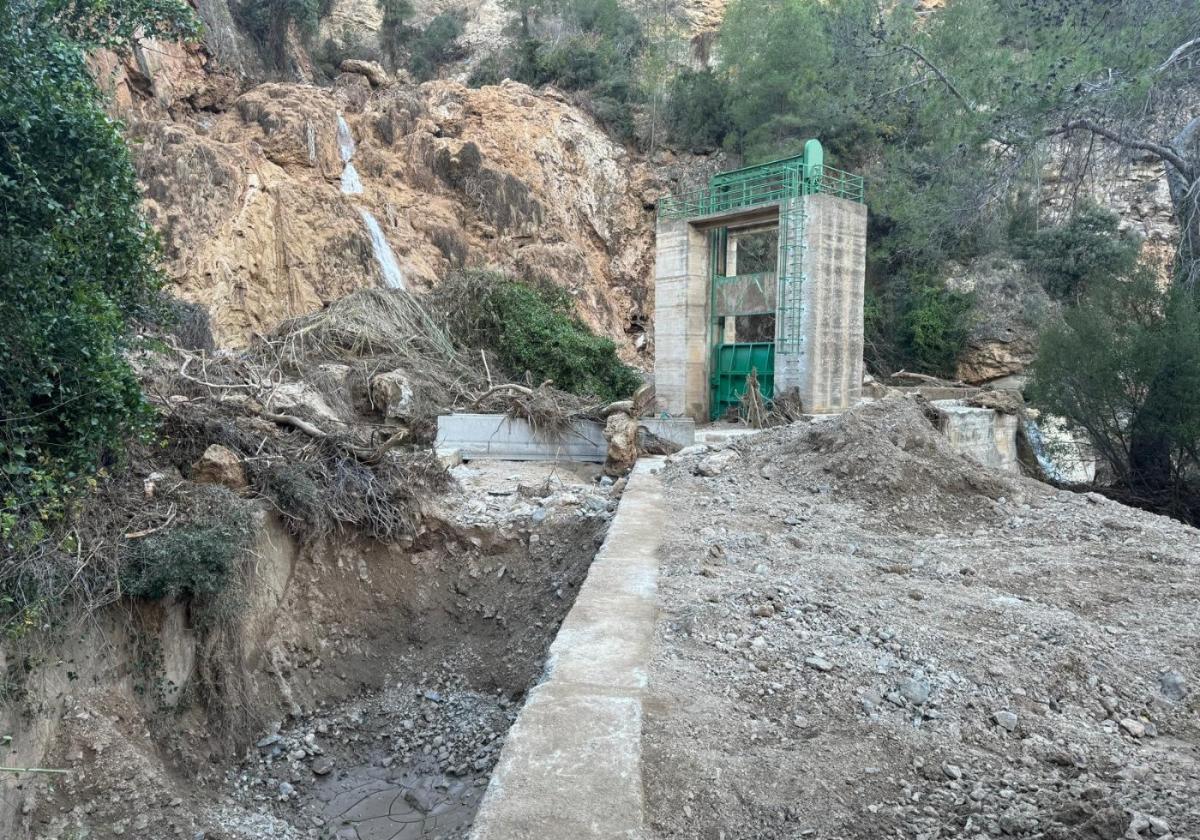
(732, 363)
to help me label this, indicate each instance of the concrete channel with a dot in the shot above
(571, 764)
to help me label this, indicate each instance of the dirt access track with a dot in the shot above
(865, 635)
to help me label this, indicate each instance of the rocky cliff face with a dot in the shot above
(1010, 307)
(262, 220)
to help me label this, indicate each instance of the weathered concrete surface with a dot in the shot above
(681, 303)
(827, 369)
(502, 438)
(571, 764)
(981, 433)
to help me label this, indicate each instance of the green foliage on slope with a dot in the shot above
(77, 259)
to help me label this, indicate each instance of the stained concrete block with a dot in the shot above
(987, 436)
(827, 367)
(681, 318)
(502, 438)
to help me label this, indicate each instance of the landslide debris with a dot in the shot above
(866, 635)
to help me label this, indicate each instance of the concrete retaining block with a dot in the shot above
(571, 764)
(981, 433)
(502, 438)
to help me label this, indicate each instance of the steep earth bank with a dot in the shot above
(351, 669)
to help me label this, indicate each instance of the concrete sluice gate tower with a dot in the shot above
(764, 269)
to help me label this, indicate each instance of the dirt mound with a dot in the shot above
(886, 455)
(863, 635)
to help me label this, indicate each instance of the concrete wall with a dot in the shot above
(502, 438)
(681, 319)
(571, 767)
(828, 367)
(985, 435)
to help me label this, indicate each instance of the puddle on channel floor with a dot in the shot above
(373, 803)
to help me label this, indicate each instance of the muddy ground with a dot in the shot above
(865, 635)
(399, 672)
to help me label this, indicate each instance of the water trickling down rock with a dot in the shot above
(351, 183)
(384, 255)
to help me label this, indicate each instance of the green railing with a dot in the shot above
(767, 186)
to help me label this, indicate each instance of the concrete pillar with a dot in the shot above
(827, 365)
(681, 319)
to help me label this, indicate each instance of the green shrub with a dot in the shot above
(597, 52)
(532, 328)
(697, 115)
(78, 262)
(268, 21)
(395, 31)
(934, 325)
(1086, 249)
(489, 71)
(196, 560)
(1124, 366)
(434, 46)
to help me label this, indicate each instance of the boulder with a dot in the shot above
(1002, 400)
(392, 395)
(717, 463)
(621, 432)
(220, 465)
(1009, 309)
(374, 72)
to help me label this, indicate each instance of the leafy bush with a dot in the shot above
(1124, 366)
(532, 328)
(933, 328)
(594, 49)
(268, 21)
(697, 114)
(489, 71)
(394, 31)
(195, 560)
(77, 259)
(434, 46)
(1086, 249)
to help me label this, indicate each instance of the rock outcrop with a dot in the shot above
(1009, 310)
(260, 225)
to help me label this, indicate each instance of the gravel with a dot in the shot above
(948, 652)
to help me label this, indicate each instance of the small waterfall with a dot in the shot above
(393, 278)
(351, 184)
(384, 255)
(1037, 443)
(345, 139)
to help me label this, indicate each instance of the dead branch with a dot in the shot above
(496, 389)
(623, 406)
(295, 422)
(520, 389)
(486, 369)
(187, 360)
(1177, 54)
(945, 80)
(1167, 153)
(932, 380)
(137, 535)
